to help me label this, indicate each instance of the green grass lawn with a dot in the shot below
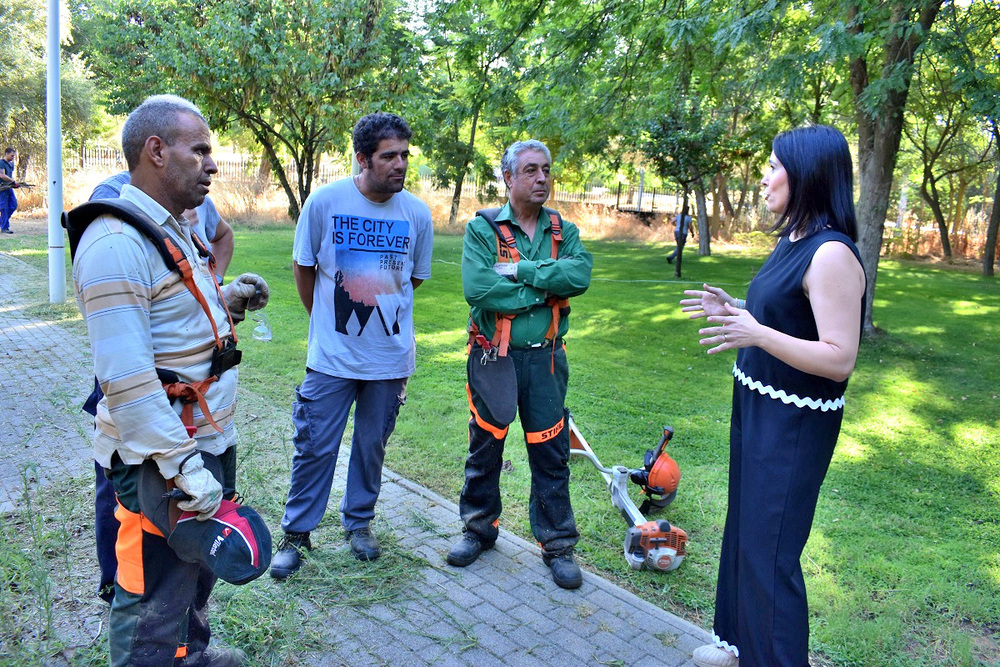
(903, 565)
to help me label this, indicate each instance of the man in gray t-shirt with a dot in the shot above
(362, 245)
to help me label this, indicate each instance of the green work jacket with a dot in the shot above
(538, 276)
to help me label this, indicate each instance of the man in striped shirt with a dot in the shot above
(143, 318)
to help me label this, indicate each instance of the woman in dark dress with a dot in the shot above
(797, 335)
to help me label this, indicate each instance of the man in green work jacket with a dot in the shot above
(520, 265)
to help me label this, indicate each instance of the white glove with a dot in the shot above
(201, 485)
(506, 270)
(247, 292)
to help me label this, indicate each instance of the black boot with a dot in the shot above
(364, 545)
(218, 656)
(467, 550)
(291, 550)
(565, 572)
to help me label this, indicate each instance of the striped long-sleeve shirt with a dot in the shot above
(141, 317)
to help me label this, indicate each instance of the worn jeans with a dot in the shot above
(322, 404)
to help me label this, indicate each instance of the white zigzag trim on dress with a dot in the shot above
(722, 643)
(779, 394)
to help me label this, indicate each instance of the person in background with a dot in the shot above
(8, 200)
(682, 227)
(362, 246)
(797, 335)
(205, 221)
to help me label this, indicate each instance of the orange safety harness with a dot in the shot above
(507, 251)
(225, 355)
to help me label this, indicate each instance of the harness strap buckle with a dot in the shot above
(489, 354)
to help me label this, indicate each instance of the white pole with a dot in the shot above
(642, 186)
(53, 124)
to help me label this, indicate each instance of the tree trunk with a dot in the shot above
(727, 205)
(704, 233)
(877, 161)
(716, 203)
(990, 251)
(879, 133)
(741, 201)
(933, 200)
(260, 133)
(958, 214)
(263, 176)
(22, 165)
(456, 197)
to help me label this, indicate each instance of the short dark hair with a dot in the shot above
(156, 116)
(820, 181)
(9, 150)
(375, 127)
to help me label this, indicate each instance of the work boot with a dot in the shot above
(711, 655)
(467, 550)
(218, 656)
(364, 545)
(565, 572)
(291, 550)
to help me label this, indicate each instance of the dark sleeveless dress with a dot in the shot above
(784, 427)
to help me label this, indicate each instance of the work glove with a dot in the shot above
(506, 270)
(248, 292)
(204, 490)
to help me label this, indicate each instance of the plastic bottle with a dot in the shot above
(263, 329)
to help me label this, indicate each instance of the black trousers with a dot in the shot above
(541, 375)
(779, 455)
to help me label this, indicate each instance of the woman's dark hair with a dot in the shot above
(820, 181)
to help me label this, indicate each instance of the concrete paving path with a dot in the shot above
(503, 609)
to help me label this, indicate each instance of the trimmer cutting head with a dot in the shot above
(660, 475)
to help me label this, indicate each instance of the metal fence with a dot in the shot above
(246, 170)
(99, 158)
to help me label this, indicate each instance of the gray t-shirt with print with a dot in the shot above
(365, 254)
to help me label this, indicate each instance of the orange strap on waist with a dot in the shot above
(189, 394)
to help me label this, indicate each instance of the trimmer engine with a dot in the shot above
(655, 545)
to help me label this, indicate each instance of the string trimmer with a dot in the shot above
(652, 545)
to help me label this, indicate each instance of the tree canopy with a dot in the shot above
(609, 85)
(292, 74)
(22, 83)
